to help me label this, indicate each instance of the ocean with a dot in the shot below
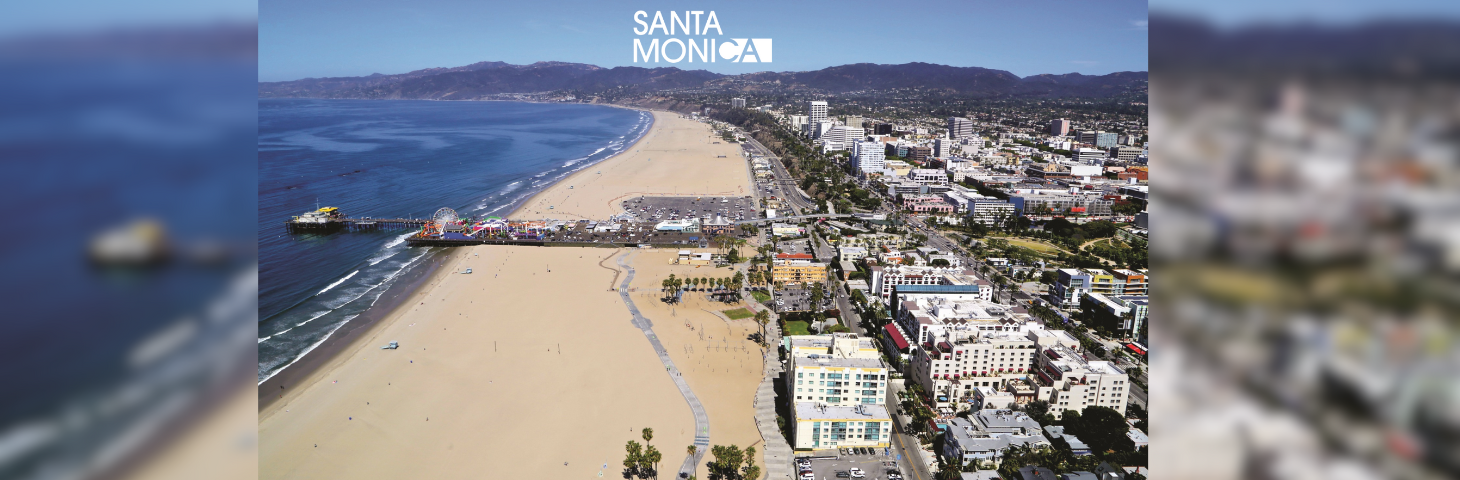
(395, 158)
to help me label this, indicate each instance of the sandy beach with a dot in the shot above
(530, 366)
(678, 156)
(496, 376)
(720, 363)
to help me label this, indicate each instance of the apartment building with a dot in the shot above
(851, 254)
(950, 366)
(884, 278)
(1070, 382)
(1071, 284)
(792, 270)
(838, 387)
(824, 426)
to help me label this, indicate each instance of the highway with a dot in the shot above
(785, 185)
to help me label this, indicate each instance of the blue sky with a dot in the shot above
(326, 38)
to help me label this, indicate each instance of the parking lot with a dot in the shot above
(658, 209)
(874, 466)
(798, 299)
(795, 246)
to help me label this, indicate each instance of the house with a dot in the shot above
(967, 441)
(1077, 446)
(1033, 472)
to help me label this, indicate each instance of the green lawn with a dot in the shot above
(1040, 247)
(738, 313)
(760, 296)
(797, 328)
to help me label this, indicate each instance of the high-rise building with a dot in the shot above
(1059, 127)
(882, 129)
(854, 121)
(840, 137)
(940, 147)
(868, 156)
(959, 127)
(816, 109)
(737, 103)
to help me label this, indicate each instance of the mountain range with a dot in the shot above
(491, 78)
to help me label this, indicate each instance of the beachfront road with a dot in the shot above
(702, 421)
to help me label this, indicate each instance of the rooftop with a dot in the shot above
(856, 413)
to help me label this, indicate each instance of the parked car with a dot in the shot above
(858, 473)
(843, 474)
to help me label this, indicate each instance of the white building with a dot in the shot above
(868, 157)
(1070, 382)
(928, 176)
(1087, 155)
(825, 426)
(737, 103)
(973, 441)
(838, 389)
(816, 115)
(885, 278)
(841, 137)
(851, 254)
(949, 367)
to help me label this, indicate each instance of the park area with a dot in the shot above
(738, 313)
(797, 328)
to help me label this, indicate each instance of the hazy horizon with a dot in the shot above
(331, 38)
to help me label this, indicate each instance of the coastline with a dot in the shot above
(412, 279)
(373, 412)
(356, 331)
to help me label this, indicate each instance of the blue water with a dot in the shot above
(388, 159)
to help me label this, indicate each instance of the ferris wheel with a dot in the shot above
(445, 216)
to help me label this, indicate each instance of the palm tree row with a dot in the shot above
(642, 461)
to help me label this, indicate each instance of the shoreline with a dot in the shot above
(332, 350)
(518, 205)
(300, 371)
(375, 413)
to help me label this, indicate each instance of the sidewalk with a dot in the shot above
(778, 454)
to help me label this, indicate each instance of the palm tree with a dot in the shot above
(632, 457)
(691, 449)
(648, 434)
(763, 318)
(652, 457)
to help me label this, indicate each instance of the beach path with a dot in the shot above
(702, 420)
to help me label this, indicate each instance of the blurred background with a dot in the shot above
(1305, 239)
(128, 198)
